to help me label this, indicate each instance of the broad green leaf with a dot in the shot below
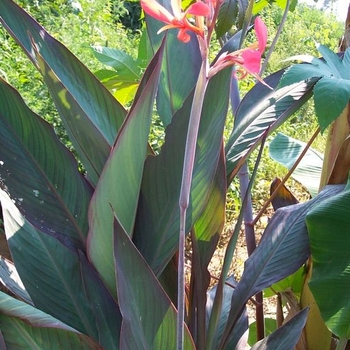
(269, 326)
(180, 69)
(10, 306)
(92, 148)
(122, 87)
(284, 247)
(23, 327)
(51, 192)
(329, 230)
(149, 317)
(103, 306)
(332, 91)
(227, 17)
(293, 282)
(153, 26)
(158, 211)
(331, 96)
(262, 110)
(145, 53)
(49, 270)
(286, 150)
(285, 337)
(99, 112)
(334, 61)
(19, 335)
(120, 61)
(120, 182)
(300, 72)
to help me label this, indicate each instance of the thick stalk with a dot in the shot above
(189, 158)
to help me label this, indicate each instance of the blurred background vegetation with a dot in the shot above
(118, 24)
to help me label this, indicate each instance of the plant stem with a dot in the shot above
(189, 158)
(342, 344)
(275, 39)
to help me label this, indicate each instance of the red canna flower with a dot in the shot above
(248, 59)
(179, 19)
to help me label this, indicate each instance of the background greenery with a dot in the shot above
(82, 24)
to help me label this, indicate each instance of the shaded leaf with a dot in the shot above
(24, 327)
(149, 318)
(49, 270)
(174, 88)
(52, 194)
(21, 336)
(241, 325)
(286, 151)
(158, 211)
(103, 306)
(2, 342)
(123, 176)
(329, 229)
(285, 337)
(10, 306)
(283, 197)
(227, 16)
(284, 247)
(204, 237)
(259, 110)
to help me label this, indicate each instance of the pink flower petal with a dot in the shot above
(261, 33)
(183, 35)
(155, 10)
(252, 60)
(198, 9)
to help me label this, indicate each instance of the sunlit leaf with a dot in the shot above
(120, 182)
(329, 230)
(286, 150)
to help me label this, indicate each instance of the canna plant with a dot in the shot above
(97, 258)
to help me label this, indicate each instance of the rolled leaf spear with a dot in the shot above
(248, 61)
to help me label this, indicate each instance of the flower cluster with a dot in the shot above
(248, 59)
